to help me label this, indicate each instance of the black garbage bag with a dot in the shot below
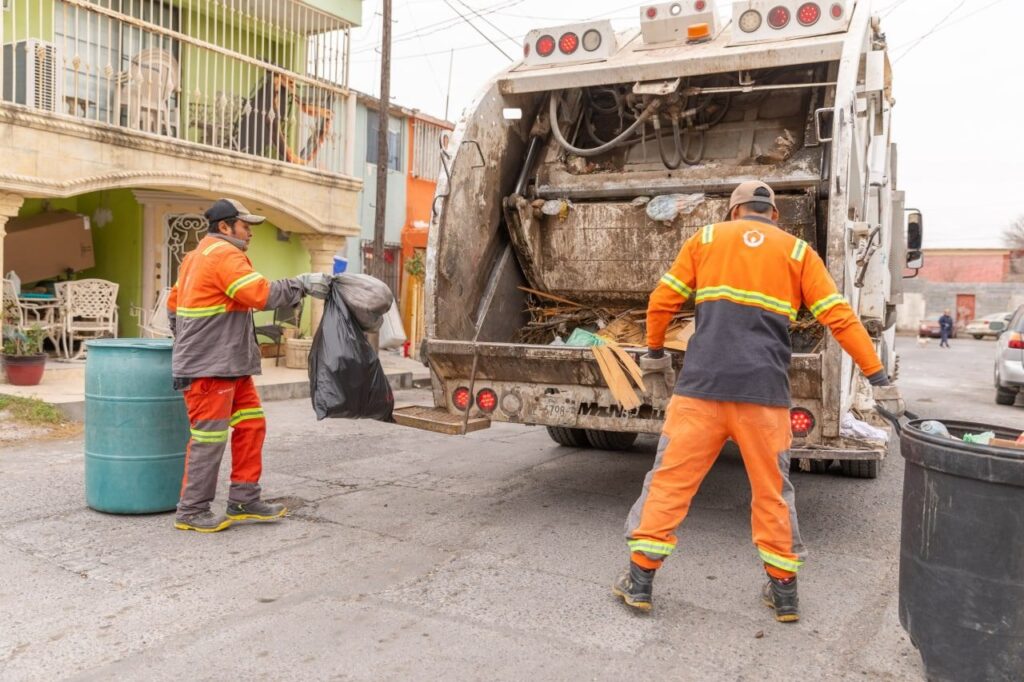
(346, 380)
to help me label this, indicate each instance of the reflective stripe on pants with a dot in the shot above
(694, 433)
(215, 408)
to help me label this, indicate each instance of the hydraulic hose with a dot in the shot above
(611, 144)
(678, 161)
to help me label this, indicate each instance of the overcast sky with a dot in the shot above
(957, 71)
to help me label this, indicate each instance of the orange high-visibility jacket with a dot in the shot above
(210, 308)
(750, 279)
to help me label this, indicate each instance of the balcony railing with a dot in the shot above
(267, 78)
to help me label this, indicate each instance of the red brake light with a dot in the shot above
(837, 11)
(778, 17)
(652, 12)
(1017, 340)
(545, 46)
(801, 421)
(486, 400)
(808, 14)
(460, 398)
(568, 43)
(700, 5)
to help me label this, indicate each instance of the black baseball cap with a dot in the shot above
(229, 209)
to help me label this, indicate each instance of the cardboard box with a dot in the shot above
(47, 245)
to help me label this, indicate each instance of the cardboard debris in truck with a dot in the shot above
(48, 245)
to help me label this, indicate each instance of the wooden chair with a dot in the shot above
(90, 311)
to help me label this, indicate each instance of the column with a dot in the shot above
(321, 248)
(9, 206)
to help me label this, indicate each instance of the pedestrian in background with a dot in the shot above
(945, 329)
(214, 358)
(749, 279)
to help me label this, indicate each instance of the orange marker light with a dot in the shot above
(698, 33)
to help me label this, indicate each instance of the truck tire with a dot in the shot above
(860, 468)
(610, 440)
(570, 438)
(817, 466)
(1005, 397)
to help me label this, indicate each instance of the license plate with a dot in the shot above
(554, 409)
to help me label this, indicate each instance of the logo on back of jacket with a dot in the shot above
(753, 238)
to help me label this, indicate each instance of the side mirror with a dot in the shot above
(915, 238)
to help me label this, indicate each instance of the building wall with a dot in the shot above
(922, 298)
(967, 266)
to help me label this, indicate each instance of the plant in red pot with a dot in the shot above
(23, 358)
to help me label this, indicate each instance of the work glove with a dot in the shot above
(889, 398)
(658, 374)
(315, 284)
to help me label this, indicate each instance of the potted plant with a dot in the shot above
(296, 351)
(23, 357)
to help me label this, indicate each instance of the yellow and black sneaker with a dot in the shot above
(202, 522)
(781, 596)
(255, 511)
(635, 587)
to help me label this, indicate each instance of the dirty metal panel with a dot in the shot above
(437, 419)
(605, 253)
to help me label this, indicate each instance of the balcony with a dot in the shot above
(258, 79)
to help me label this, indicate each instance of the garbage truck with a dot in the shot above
(545, 218)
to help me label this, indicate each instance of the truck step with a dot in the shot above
(437, 419)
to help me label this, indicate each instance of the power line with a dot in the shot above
(474, 27)
(441, 25)
(939, 26)
(487, 21)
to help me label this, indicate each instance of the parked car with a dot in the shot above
(991, 325)
(930, 327)
(1009, 371)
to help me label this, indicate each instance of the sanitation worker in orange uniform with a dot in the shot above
(749, 279)
(214, 358)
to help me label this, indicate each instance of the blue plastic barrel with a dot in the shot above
(136, 427)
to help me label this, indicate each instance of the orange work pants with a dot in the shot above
(215, 407)
(695, 431)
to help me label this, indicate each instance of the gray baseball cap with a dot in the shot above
(229, 209)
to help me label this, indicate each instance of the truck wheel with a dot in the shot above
(610, 440)
(570, 438)
(1005, 397)
(817, 466)
(860, 468)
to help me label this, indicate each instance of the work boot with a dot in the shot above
(255, 511)
(635, 586)
(781, 596)
(203, 522)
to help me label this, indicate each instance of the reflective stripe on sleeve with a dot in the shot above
(651, 547)
(243, 415)
(799, 250)
(676, 285)
(213, 247)
(792, 565)
(743, 297)
(707, 234)
(826, 303)
(243, 281)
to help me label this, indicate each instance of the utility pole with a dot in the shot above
(383, 120)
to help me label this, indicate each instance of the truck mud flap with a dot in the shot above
(437, 419)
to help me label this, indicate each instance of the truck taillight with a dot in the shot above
(461, 398)
(486, 400)
(700, 5)
(750, 21)
(568, 43)
(778, 17)
(1017, 341)
(652, 12)
(837, 11)
(801, 421)
(545, 46)
(808, 14)
(591, 40)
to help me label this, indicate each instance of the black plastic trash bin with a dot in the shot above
(962, 553)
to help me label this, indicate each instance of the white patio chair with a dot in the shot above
(146, 89)
(90, 311)
(154, 323)
(24, 316)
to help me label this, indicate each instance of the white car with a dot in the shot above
(991, 325)
(1009, 371)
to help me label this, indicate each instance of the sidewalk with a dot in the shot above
(63, 383)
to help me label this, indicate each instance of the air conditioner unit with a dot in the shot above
(34, 75)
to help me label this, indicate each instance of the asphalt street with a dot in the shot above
(412, 555)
